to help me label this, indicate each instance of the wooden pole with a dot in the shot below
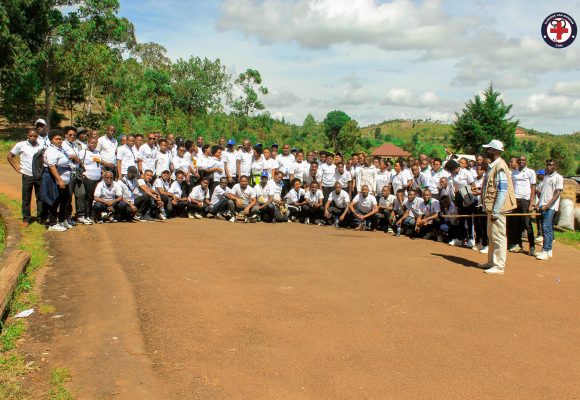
(9, 273)
(485, 215)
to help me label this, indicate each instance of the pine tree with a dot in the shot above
(483, 119)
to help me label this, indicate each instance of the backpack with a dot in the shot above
(467, 195)
(38, 163)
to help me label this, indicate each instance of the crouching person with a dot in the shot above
(407, 223)
(264, 198)
(180, 204)
(162, 185)
(242, 203)
(336, 208)
(295, 200)
(449, 228)
(313, 209)
(146, 199)
(428, 221)
(218, 204)
(364, 209)
(108, 203)
(199, 198)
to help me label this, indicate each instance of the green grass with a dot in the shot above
(58, 382)
(2, 236)
(11, 364)
(570, 238)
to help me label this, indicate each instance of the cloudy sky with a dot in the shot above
(379, 60)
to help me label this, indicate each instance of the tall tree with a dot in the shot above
(248, 101)
(481, 120)
(333, 123)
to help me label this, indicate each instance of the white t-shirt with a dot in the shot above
(340, 200)
(462, 178)
(163, 162)
(301, 170)
(161, 184)
(218, 194)
(108, 149)
(55, 156)
(367, 176)
(522, 182)
(108, 193)
(182, 163)
(327, 174)
(431, 208)
(142, 182)
(263, 193)
(550, 184)
(199, 194)
(414, 207)
(286, 165)
(383, 179)
(313, 198)
(148, 156)
(257, 166)
(213, 162)
(92, 162)
(344, 178)
(399, 181)
(245, 194)
(25, 151)
(293, 197)
(365, 204)
(229, 158)
(436, 177)
(389, 201)
(175, 189)
(246, 159)
(270, 165)
(72, 150)
(275, 189)
(128, 157)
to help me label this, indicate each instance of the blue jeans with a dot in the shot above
(548, 228)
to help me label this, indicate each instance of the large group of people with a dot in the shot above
(114, 178)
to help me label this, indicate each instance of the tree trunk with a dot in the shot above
(90, 101)
(47, 91)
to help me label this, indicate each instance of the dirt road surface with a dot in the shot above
(213, 310)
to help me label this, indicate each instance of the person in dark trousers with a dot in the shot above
(25, 151)
(524, 180)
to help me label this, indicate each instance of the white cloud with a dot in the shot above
(281, 99)
(571, 88)
(405, 97)
(550, 105)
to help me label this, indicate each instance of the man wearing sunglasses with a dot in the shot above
(148, 154)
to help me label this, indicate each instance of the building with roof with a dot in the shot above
(389, 150)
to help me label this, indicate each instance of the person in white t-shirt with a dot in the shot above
(163, 158)
(127, 156)
(92, 162)
(314, 208)
(162, 185)
(364, 208)
(146, 199)
(244, 160)
(383, 176)
(343, 177)
(219, 200)
(449, 228)
(429, 220)
(25, 151)
(215, 167)
(301, 167)
(524, 180)
(407, 223)
(295, 199)
(108, 201)
(548, 205)
(242, 204)
(386, 203)
(200, 199)
(336, 207)
(230, 157)
(269, 165)
(367, 175)
(286, 166)
(326, 175)
(312, 176)
(257, 167)
(462, 180)
(107, 147)
(148, 154)
(180, 205)
(265, 198)
(435, 174)
(400, 179)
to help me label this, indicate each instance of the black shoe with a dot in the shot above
(532, 251)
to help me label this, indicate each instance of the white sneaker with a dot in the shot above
(85, 221)
(307, 221)
(57, 228)
(494, 270)
(65, 224)
(455, 242)
(190, 215)
(233, 219)
(543, 255)
(197, 216)
(550, 253)
(163, 216)
(484, 250)
(470, 244)
(539, 239)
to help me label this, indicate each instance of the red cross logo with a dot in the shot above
(559, 29)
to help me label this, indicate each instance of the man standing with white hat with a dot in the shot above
(498, 198)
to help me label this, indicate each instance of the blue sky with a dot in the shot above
(379, 60)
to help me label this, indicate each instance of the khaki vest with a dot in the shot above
(490, 192)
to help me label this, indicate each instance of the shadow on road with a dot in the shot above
(458, 260)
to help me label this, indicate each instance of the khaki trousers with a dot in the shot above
(496, 232)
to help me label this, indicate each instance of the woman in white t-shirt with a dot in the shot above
(464, 186)
(295, 200)
(92, 162)
(257, 166)
(55, 191)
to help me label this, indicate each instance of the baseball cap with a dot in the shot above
(294, 150)
(275, 145)
(494, 144)
(265, 174)
(541, 172)
(132, 170)
(40, 121)
(231, 142)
